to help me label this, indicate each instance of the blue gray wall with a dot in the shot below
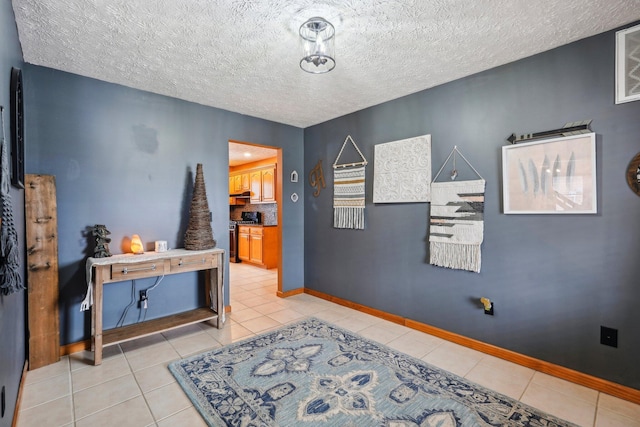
(127, 159)
(554, 278)
(12, 307)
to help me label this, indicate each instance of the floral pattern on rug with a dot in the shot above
(331, 394)
(287, 360)
(312, 373)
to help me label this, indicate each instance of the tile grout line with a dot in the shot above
(526, 387)
(73, 397)
(595, 415)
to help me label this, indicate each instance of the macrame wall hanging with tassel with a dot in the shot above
(10, 280)
(349, 191)
(456, 228)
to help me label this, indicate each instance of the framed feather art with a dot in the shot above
(551, 176)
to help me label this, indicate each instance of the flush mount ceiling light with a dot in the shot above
(318, 46)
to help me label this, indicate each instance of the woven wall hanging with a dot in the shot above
(10, 279)
(349, 191)
(456, 224)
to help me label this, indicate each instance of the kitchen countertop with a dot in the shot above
(257, 225)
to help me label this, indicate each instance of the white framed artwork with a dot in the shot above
(402, 171)
(552, 176)
(628, 65)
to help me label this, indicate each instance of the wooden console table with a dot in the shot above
(119, 268)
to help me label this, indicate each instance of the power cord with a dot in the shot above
(133, 301)
(144, 300)
(144, 297)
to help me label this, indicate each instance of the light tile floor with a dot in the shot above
(133, 387)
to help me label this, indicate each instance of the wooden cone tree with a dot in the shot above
(199, 235)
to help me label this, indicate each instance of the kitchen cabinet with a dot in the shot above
(269, 185)
(244, 243)
(239, 183)
(232, 181)
(244, 182)
(263, 185)
(258, 245)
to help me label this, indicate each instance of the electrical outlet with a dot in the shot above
(608, 336)
(490, 311)
(143, 299)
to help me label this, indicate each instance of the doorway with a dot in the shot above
(248, 164)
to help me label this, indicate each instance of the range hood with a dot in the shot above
(243, 195)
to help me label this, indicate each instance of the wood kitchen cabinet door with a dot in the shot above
(245, 183)
(255, 254)
(256, 248)
(244, 243)
(268, 185)
(263, 185)
(255, 179)
(237, 184)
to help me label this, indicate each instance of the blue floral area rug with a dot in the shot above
(312, 373)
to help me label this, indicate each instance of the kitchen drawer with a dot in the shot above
(256, 230)
(244, 229)
(193, 262)
(135, 270)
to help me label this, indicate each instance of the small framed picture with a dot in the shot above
(628, 65)
(552, 176)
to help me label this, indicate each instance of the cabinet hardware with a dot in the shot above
(127, 270)
(202, 261)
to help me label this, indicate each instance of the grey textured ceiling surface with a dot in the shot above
(243, 55)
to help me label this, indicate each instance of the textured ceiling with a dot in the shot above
(243, 55)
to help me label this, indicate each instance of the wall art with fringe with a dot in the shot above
(349, 191)
(456, 225)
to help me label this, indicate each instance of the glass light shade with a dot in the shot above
(318, 46)
(136, 244)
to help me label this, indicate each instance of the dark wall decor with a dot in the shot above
(633, 174)
(316, 178)
(17, 129)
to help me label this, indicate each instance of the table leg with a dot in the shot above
(96, 315)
